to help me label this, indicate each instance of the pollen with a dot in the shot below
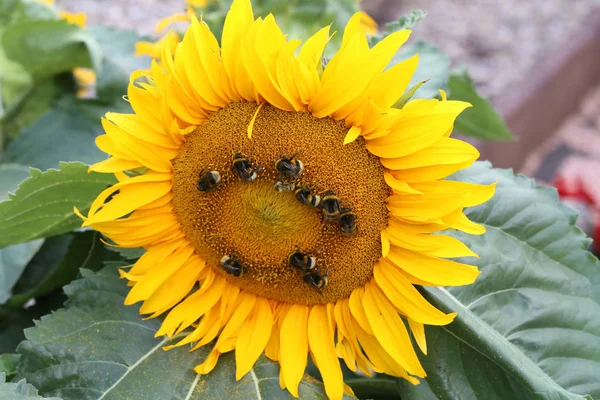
(260, 226)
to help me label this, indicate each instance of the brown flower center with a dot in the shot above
(258, 226)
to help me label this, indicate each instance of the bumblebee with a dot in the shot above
(289, 167)
(232, 266)
(306, 197)
(208, 180)
(331, 205)
(302, 261)
(281, 186)
(347, 221)
(244, 168)
(315, 280)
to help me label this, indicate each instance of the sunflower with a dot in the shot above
(284, 206)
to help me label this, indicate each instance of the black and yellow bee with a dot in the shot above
(307, 197)
(208, 180)
(233, 266)
(347, 221)
(302, 261)
(331, 205)
(315, 280)
(282, 186)
(289, 167)
(243, 167)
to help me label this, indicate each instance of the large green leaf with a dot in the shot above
(46, 48)
(19, 391)
(8, 363)
(14, 11)
(43, 204)
(74, 124)
(531, 321)
(10, 177)
(13, 260)
(36, 101)
(14, 321)
(481, 121)
(98, 348)
(529, 327)
(58, 262)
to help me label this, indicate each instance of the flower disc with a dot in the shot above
(261, 226)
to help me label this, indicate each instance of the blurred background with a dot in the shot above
(538, 61)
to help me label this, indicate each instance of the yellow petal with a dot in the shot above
(192, 308)
(418, 331)
(173, 289)
(78, 19)
(114, 164)
(464, 224)
(419, 125)
(311, 52)
(164, 23)
(404, 296)
(352, 135)
(390, 330)
(134, 193)
(237, 23)
(320, 339)
(398, 185)
(294, 346)
(253, 337)
(389, 86)
(148, 284)
(251, 124)
(434, 270)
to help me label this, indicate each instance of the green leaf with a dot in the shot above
(404, 22)
(128, 253)
(57, 263)
(8, 363)
(14, 321)
(34, 103)
(13, 260)
(73, 123)
(10, 177)
(481, 121)
(407, 21)
(119, 61)
(529, 327)
(14, 11)
(46, 48)
(433, 66)
(99, 348)
(43, 204)
(19, 391)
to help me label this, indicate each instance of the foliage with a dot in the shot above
(43, 204)
(529, 327)
(99, 348)
(18, 391)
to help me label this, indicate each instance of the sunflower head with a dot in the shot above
(285, 206)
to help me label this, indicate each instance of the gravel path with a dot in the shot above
(499, 40)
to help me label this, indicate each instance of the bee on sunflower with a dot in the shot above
(287, 207)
